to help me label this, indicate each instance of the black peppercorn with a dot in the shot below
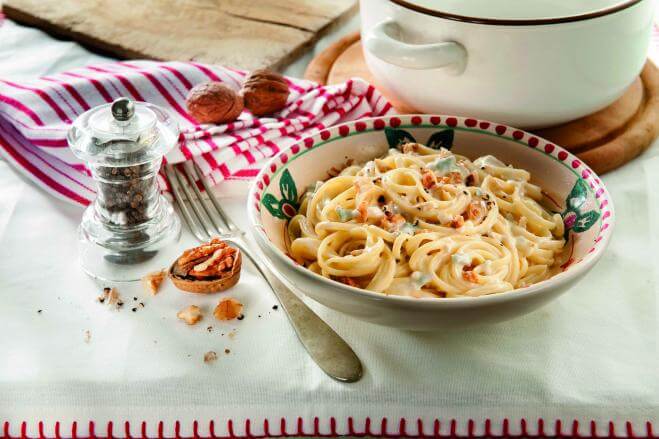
(127, 193)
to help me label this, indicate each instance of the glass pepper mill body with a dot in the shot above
(129, 229)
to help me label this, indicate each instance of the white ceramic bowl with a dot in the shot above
(565, 179)
(525, 63)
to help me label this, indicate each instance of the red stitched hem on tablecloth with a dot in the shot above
(561, 429)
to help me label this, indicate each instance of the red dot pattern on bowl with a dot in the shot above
(464, 123)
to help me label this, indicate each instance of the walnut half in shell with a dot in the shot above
(209, 268)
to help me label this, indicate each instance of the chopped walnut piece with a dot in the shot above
(221, 260)
(198, 254)
(348, 281)
(104, 296)
(87, 336)
(362, 209)
(209, 260)
(409, 148)
(228, 309)
(152, 281)
(428, 179)
(190, 315)
(469, 275)
(475, 210)
(113, 297)
(392, 222)
(457, 222)
(451, 177)
(210, 356)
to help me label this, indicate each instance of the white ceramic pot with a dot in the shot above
(524, 63)
(274, 197)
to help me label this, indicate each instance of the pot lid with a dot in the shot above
(123, 133)
(516, 11)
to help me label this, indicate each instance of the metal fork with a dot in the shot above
(326, 347)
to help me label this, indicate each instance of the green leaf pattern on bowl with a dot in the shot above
(287, 206)
(574, 219)
(397, 137)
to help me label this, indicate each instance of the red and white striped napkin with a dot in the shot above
(36, 115)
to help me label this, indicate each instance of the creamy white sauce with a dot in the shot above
(460, 259)
(488, 160)
(346, 214)
(407, 228)
(419, 279)
(443, 165)
(375, 212)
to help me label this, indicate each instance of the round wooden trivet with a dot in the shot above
(605, 140)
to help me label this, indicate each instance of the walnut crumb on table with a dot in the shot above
(190, 315)
(153, 281)
(113, 297)
(110, 296)
(210, 357)
(228, 309)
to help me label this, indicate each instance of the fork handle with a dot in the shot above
(326, 347)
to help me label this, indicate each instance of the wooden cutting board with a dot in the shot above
(605, 140)
(246, 34)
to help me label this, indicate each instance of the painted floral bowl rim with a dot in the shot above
(327, 136)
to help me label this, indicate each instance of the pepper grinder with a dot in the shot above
(130, 228)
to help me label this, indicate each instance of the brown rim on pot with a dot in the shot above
(516, 22)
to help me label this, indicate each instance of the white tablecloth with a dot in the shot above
(587, 363)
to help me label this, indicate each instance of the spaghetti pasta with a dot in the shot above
(428, 223)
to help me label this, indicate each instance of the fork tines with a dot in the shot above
(204, 218)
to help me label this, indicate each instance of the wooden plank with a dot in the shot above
(246, 34)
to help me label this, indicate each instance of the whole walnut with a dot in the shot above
(214, 102)
(265, 92)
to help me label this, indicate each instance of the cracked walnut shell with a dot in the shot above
(214, 102)
(265, 92)
(209, 268)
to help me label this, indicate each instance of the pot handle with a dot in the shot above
(381, 41)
